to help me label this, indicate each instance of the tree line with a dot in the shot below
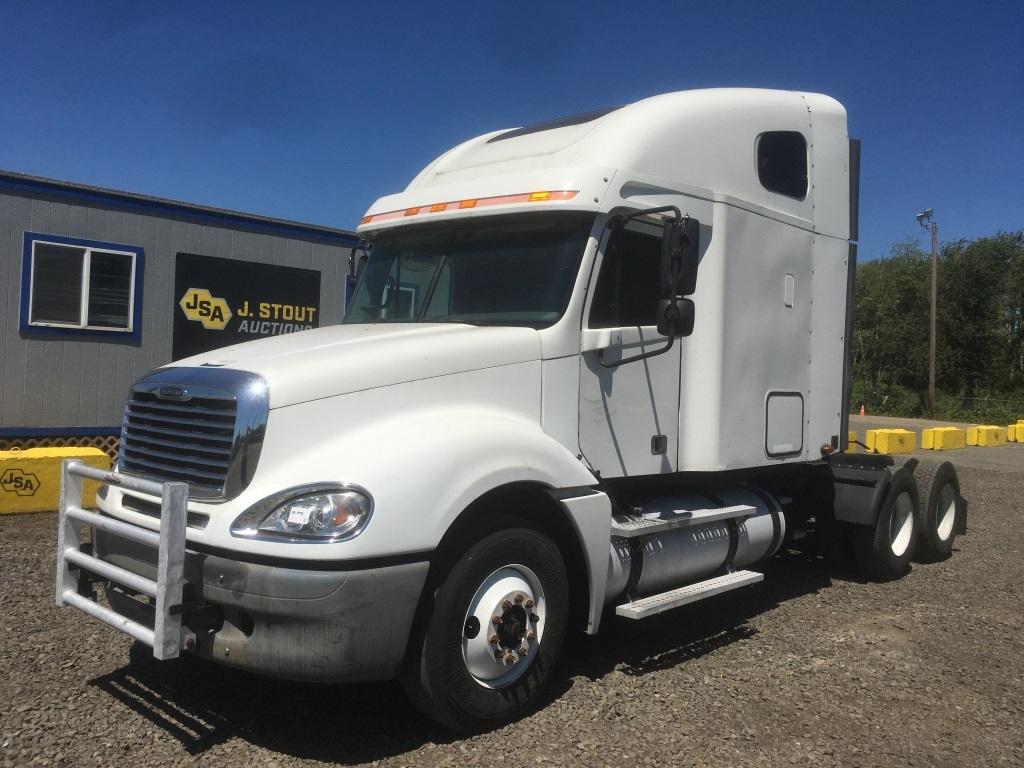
(980, 330)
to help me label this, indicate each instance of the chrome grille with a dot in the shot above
(201, 426)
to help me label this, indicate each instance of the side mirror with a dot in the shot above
(680, 256)
(675, 317)
(357, 260)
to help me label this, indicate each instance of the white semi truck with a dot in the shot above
(596, 366)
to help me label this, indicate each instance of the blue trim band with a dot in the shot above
(128, 202)
(59, 431)
(126, 337)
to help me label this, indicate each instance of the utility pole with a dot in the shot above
(927, 220)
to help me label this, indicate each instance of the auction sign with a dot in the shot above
(227, 301)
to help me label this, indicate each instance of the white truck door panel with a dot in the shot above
(629, 413)
(623, 409)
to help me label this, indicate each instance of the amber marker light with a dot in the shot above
(479, 202)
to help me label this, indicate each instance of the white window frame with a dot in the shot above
(83, 310)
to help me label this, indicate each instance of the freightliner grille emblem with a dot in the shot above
(173, 393)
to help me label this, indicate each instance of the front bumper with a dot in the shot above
(293, 623)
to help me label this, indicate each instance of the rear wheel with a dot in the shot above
(884, 550)
(939, 490)
(494, 634)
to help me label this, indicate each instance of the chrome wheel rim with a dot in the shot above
(504, 626)
(901, 524)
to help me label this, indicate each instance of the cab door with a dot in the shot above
(628, 414)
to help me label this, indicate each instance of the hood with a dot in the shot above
(340, 359)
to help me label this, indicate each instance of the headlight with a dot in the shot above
(308, 513)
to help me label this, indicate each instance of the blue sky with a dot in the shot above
(310, 111)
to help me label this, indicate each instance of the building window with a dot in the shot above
(75, 286)
(782, 163)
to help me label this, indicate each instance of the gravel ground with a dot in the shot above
(808, 668)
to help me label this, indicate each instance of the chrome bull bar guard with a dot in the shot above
(167, 636)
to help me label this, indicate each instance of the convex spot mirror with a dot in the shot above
(680, 256)
(675, 317)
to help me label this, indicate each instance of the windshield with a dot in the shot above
(508, 270)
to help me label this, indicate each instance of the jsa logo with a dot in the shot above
(199, 305)
(22, 483)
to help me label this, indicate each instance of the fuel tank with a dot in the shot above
(669, 559)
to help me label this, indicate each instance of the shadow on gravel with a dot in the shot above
(202, 705)
(675, 637)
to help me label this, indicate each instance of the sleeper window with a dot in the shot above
(782, 163)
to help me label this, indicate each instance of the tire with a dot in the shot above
(884, 550)
(939, 489)
(471, 674)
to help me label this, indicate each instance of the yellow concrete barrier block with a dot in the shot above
(851, 442)
(986, 436)
(890, 440)
(1011, 434)
(943, 438)
(30, 479)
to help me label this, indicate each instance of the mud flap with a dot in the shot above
(860, 482)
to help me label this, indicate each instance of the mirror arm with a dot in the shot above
(647, 211)
(634, 358)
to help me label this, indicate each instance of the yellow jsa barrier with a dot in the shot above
(943, 438)
(30, 479)
(890, 440)
(986, 436)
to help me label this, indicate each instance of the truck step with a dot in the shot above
(631, 526)
(691, 593)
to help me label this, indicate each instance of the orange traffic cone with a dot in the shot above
(862, 409)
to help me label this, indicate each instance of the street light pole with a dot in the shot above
(927, 220)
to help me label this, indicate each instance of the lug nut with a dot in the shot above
(534, 618)
(531, 635)
(529, 604)
(499, 654)
(506, 604)
(496, 621)
(520, 597)
(492, 639)
(511, 659)
(522, 650)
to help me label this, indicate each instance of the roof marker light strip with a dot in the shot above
(479, 202)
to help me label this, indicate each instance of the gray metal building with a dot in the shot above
(98, 286)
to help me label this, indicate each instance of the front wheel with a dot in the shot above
(495, 632)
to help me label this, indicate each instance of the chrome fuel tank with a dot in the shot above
(669, 559)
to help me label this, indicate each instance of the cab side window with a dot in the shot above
(627, 286)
